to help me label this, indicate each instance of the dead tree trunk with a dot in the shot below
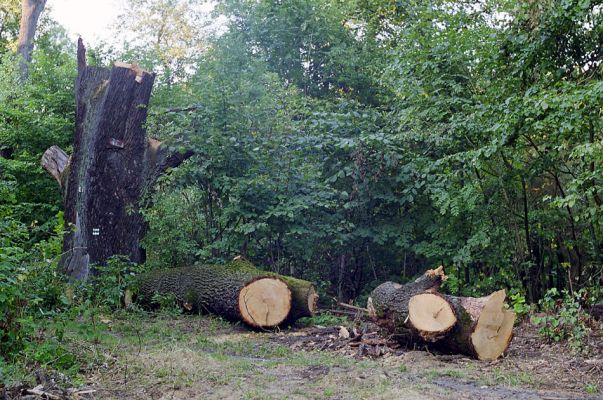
(112, 166)
(30, 13)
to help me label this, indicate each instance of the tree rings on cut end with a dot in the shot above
(494, 328)
(265, 302)
(431, 316)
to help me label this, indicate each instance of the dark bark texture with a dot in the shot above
(204, 288)
(113, 166)
(104, 183)
(215, 288)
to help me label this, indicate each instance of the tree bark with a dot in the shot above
(213, 288)
(484, 329)
(411, 313)
(415, 314)
(304, 297)
(236, 291)
(112, 167)
(30, 13)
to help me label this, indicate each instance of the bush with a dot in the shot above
(565, 318)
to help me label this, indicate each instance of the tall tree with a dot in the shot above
(30, 13)
(165, 35)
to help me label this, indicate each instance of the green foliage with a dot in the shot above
(323, 319)
(565, 318)
(518, 303)
(108, 287)
(355, 142)
(591, 388)
(167, 304)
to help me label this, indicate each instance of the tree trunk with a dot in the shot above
(198, 285)
(113, 165)
(304, 297)
(484, 329)
(236, 291)
(411, 313)
(30, 13)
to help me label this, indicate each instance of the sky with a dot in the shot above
(89, 19)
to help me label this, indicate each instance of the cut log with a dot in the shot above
(303, 293)
(304, 297)
(485, 327)
(234, 291)
(113, 166)
(411, 314)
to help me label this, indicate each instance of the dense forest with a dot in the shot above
(345, 142)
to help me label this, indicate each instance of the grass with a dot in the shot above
(591, 388)
(139, 352)
(504, 377)
(449, 372)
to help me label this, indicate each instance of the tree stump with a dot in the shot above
(112, 166)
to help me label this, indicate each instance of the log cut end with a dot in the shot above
(494, 328)
(431, 316)
(265, 302)
(312, 300)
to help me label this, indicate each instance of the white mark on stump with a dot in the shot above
(116, 143)
(95, 231)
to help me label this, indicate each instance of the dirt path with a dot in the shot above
(206, 358)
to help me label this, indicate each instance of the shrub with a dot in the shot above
(565, 318)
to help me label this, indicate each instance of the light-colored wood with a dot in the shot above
(55, 161)
(265, 302)
(493, 329)
(431, 316)
(134, 67)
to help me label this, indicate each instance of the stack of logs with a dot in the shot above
(417, 313)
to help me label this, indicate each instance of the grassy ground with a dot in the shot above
(139, 356)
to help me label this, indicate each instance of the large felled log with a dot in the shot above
(232, 291)
(304, 297)
(303, 293)
(484, 329)
(112, 167)
(237, 291)
(409, 312)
